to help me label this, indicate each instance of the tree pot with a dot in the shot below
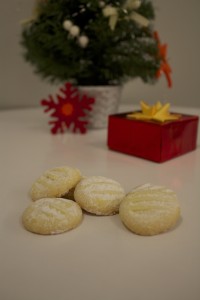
(107, 99)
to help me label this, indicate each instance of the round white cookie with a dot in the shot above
(99, 195)
(55, 183)
(150, 210)
(52, 216)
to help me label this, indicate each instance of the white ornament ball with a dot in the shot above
(67, 24)
(83, 41)
(74, 30)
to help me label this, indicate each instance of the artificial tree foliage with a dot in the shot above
(111, 54)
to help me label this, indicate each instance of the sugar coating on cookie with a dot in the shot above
(55, 183)
(99, 195)
(52, 216)
(150, 209)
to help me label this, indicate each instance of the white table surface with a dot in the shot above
(101, 259)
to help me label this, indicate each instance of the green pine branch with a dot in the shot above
(111, 56)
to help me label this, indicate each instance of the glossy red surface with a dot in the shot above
(150, 140)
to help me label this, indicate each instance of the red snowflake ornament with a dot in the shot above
(70, 110)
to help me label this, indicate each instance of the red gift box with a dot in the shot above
(151, 140)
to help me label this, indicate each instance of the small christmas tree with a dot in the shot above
(92, 42)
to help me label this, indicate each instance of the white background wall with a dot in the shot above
(178, 24)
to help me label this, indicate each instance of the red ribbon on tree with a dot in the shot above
(164, 66)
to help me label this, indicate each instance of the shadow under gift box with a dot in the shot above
(151, 140)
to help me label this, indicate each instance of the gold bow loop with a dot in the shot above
(131, 6)
(111, 12)
(138, 18)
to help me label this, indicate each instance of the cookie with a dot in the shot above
(150, 210)
(99, 195)
(52, 216)
(55, 183)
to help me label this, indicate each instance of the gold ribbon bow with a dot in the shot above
(112, 13)
(157, 112)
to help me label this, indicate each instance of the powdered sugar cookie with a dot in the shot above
(52, 216)
(55, 183)
(99, 195)
(150, 210)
